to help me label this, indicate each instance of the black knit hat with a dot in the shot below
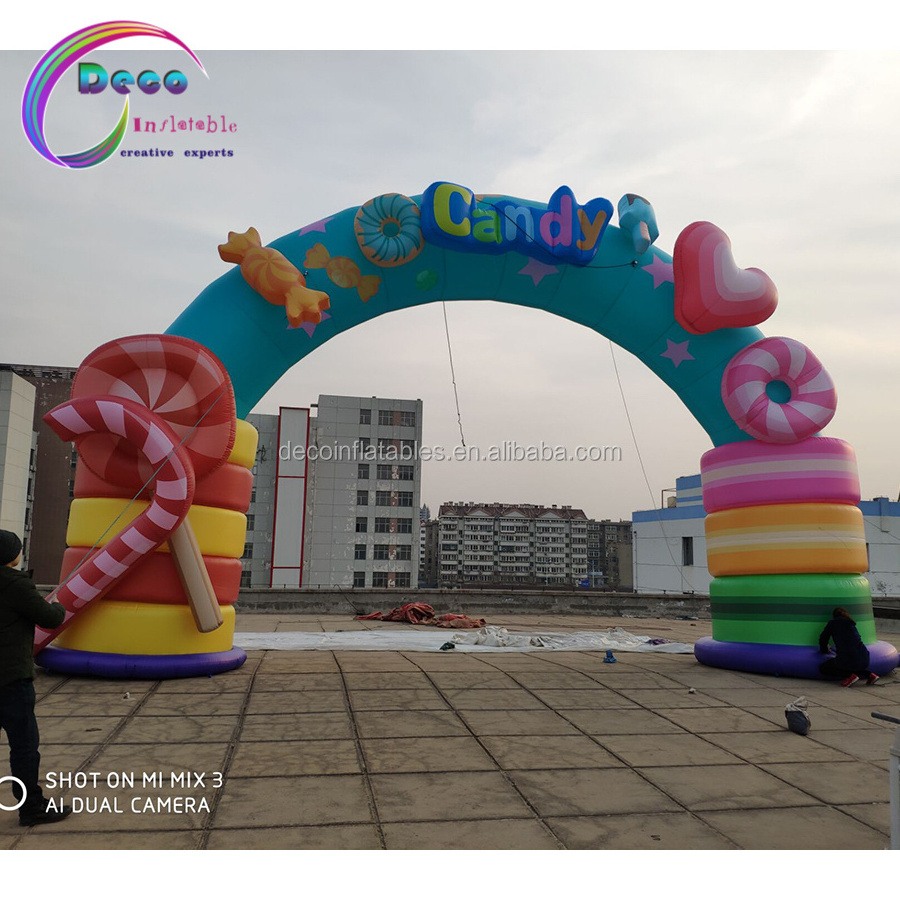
(10, 547)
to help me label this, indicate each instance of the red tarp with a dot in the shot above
(423, 614)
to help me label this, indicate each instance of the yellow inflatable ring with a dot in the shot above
(246, 439)
(115, 626)
(220, 532)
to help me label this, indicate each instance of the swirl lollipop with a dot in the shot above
(172, 496)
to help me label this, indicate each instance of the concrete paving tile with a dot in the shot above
(150, 758)
(300, 800)
(414, 699)
(589, 792)
(435, 797)
(259, 758)
(865, 743)
(701, 677)
(806, 828)
(322, 837)
(679, 698)
(387, 681)
(775, 747)
(556, 680)
(80, 706)
(875, 815)
(37, 839)
(298, 681)
(862, 698)
(409, 723)
(620, 721)
(836, 782)
(516, 721)
(502, 699)
(521, 662)
(193, 705)
(720, 719)
(7, 841)
(86, 686)
(823, 719)
(172, 729)
(278, 662)
(297, 727)
(374, 661)
(479, 680)
(226, 683)
(295, 702)
(666, 831)
(482, 834)
(426, 754)
(549, 752)
(726, 787)
(456, 661)
(754, 696)
(665, 750)
(595, 698)
(633, 680)
(75, 729)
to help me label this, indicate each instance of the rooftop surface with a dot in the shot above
(537, 750)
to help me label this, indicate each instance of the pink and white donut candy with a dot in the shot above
(791, 368)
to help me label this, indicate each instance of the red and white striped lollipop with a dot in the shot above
(179, 380)
(173, 491)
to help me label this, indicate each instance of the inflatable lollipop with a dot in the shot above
(188, 389)
(172, 496)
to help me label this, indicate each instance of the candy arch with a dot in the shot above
(366, 261)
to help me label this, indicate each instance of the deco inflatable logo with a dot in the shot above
(92, 79)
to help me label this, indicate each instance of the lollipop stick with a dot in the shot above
(195, 578)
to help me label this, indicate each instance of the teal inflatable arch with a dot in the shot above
(624, 295)
(785, 539)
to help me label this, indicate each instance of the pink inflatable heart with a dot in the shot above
(711, 292)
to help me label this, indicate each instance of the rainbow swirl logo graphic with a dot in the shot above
(51, 67)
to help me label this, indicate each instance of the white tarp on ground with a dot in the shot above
(490, 639)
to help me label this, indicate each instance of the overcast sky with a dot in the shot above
(794, 155)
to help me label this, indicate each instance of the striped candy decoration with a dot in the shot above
(179, 380)
(130, 422)
(808, 394)
(754, 473)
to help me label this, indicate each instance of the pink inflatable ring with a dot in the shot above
(777, 391)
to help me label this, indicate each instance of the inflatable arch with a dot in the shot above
(785, 537)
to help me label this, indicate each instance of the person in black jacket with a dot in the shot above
(851, 659)
(21, 608)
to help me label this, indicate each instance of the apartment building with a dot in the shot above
(498, 543)
(337, 493)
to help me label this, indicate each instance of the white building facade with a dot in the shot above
(337, 491)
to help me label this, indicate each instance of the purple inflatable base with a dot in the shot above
(120, 665)
(783, 659)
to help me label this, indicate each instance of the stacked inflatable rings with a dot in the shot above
(754, 377)
(388, 230)
(753, 473)
(786, 544)
(143, 628)
(176, 378)
(786, 538)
